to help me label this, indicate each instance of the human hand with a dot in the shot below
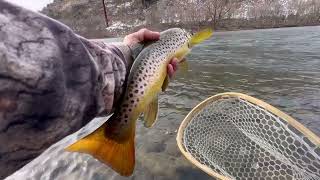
(144, 35)
(172, 67)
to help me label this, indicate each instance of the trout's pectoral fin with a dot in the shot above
(183, 66)
(165, 83)
(120, 156)
(151, 113)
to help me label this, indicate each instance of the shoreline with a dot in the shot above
(217, 30)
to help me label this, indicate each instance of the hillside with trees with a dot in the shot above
(87, 17)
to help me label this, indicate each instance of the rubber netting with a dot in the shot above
(241, 140)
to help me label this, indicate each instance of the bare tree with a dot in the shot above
(256, 13)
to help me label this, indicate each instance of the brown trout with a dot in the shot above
(113, 142)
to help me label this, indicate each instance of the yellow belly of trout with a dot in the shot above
(158, 84)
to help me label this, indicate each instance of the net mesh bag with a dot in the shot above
(235, 136)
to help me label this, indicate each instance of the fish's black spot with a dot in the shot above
(141, 92)
(125, 105)
(130, 109)
(126, 116)
(132, 101)
(137, 99)
(140, 79)
(141, 87)
(131, 95)
(136, 91)
(126, 121)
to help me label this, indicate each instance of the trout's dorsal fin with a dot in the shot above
(200, 36)
(120, 156)
(151, 113)
(165, 83)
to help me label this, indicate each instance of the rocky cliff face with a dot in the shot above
(86, 17)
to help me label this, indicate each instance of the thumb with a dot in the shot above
(147, 35)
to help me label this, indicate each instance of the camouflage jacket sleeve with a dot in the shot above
(52, 82)
(113, 61)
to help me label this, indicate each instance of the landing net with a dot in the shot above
(235, 136)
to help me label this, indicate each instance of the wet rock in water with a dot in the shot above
(185, 173)
(172, 147)
(153, 147)
(158, 164)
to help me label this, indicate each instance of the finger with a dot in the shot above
(174, 63)
(170, 70)
(151, 35)
(147, 35)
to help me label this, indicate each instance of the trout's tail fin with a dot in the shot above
(118, 154)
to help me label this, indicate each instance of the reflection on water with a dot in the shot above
(279, 66)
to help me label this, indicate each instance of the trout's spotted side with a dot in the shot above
(114, 142)
(145, 72)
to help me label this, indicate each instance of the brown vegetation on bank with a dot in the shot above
(86, 17)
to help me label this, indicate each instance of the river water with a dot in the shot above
(278, 66)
